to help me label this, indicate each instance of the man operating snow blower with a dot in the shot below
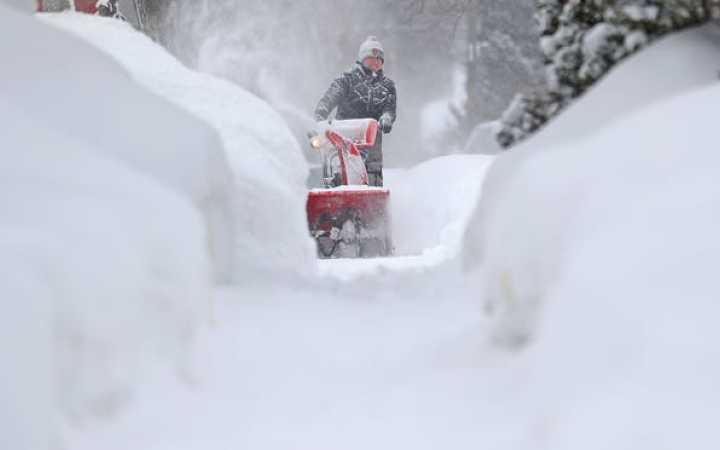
(349, 215)
(364, 92)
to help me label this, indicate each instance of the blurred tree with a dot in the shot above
(503, 57)
(288, 52)
(495, 42)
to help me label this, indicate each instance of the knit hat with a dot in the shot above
(371, 48)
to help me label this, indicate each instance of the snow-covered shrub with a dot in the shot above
(527, 113)
(582, 40)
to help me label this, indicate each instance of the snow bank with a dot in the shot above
(268, 167)
(602, 252)
(104, 262)
(497, 217)
(429, 211)
(150, 137)
(96, 230)
(429, 203)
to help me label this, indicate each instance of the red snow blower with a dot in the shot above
(347, 218)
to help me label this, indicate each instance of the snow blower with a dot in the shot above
(347, 218)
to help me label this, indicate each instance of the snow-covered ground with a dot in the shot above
(596, 247)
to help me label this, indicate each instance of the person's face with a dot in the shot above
(373, 63)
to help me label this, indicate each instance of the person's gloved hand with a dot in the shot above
(386, 123)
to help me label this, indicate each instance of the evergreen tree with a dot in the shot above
(582, 40)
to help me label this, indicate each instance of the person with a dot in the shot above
(364, 92)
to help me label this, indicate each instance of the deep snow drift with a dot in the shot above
(607, 104)
(149, 141)
(674, 65)
(602, 252)
(268, 169)
(104, 258)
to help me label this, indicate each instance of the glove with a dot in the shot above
(386, 123)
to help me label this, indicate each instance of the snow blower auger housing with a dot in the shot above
(347, 218)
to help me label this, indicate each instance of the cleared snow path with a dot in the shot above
(320, 369)
(430, 207)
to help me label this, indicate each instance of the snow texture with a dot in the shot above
(429, 203)
(600, 252)
(103, 250)
(149, 142)
(268, 171)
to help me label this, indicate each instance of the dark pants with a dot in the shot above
(373, 158)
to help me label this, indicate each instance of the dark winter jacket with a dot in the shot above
(358, 94)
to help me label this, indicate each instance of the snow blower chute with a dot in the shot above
(347, 218)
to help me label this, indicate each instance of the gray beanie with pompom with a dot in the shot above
(371, 48)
